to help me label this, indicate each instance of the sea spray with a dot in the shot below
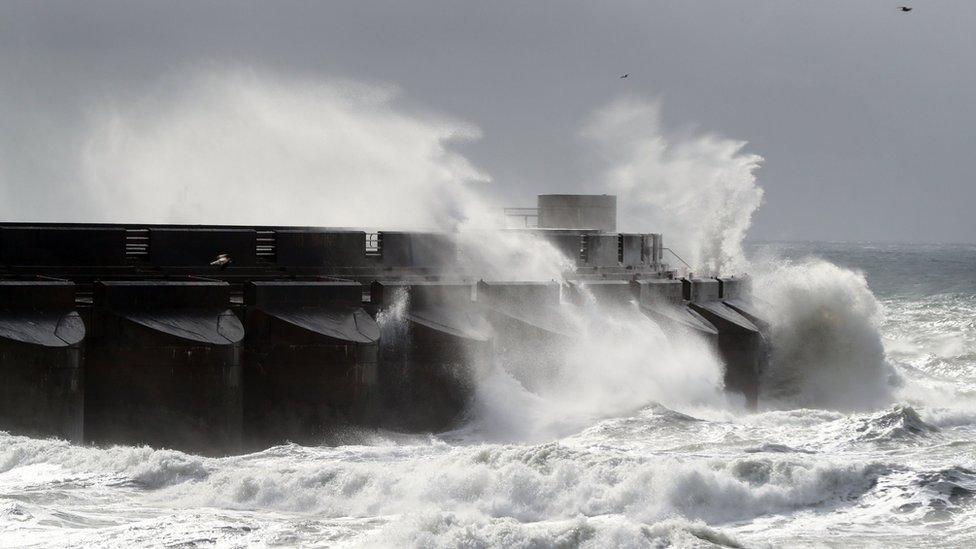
(616, 362)
(354, 157)
(245, 147)
(824, 336)
(698, 189)
(647, 477)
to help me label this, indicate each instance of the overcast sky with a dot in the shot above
(865, 116)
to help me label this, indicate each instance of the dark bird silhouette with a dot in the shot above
(626, 75)
(222, 261)
(904, 8)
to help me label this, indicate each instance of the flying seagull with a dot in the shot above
(222, 261)
(904, 8)
(626, 75)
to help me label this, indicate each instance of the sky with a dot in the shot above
(864, 116)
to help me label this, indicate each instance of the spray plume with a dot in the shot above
(239, 147)
(699, 190)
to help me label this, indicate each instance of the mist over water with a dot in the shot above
(619, 436)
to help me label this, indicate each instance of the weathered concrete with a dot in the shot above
(578, 211)
(632, 250)
(601, 250)
(700, 290)
(41, 375)
(662, 301)
(739, 341)
(435, 345)
(47, 246)
(198, 247)
(163, 367)
(418, 250)
(309, 361)
(165, 350)
(320, 248)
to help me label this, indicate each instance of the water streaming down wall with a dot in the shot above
(435, 348)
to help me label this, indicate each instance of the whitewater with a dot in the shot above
(805, 470)
(865, 433)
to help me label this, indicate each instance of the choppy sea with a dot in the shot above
(865, 436)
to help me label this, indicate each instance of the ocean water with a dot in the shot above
(866, 436)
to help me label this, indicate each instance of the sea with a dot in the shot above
(865, 436)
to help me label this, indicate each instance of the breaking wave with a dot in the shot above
(488, 492)
(825, 339)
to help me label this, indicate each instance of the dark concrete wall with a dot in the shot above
(427, 371)
(312, 248)
(147, 383)
(304, 382)
(602, 250)
(699, 290)
(422, 250)
(59, 246)
(41, 360)
(654, 291)
(632, 246)
(198, 247)
(42, 391)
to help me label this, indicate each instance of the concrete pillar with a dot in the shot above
(434, 347)
(41, 375)
(163, 367)
(309, 362)
(739, 341)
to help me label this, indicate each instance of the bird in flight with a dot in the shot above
(626, 75)
(904, 8)
(222, 261)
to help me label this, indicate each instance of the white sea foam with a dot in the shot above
(826, 348)
(629, 442)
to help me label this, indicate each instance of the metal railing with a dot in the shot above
(678, 257)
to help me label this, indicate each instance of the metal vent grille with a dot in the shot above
(266, 246)
(374, 244)
(137, 244)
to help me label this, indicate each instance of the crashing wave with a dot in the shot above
(900, 423)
